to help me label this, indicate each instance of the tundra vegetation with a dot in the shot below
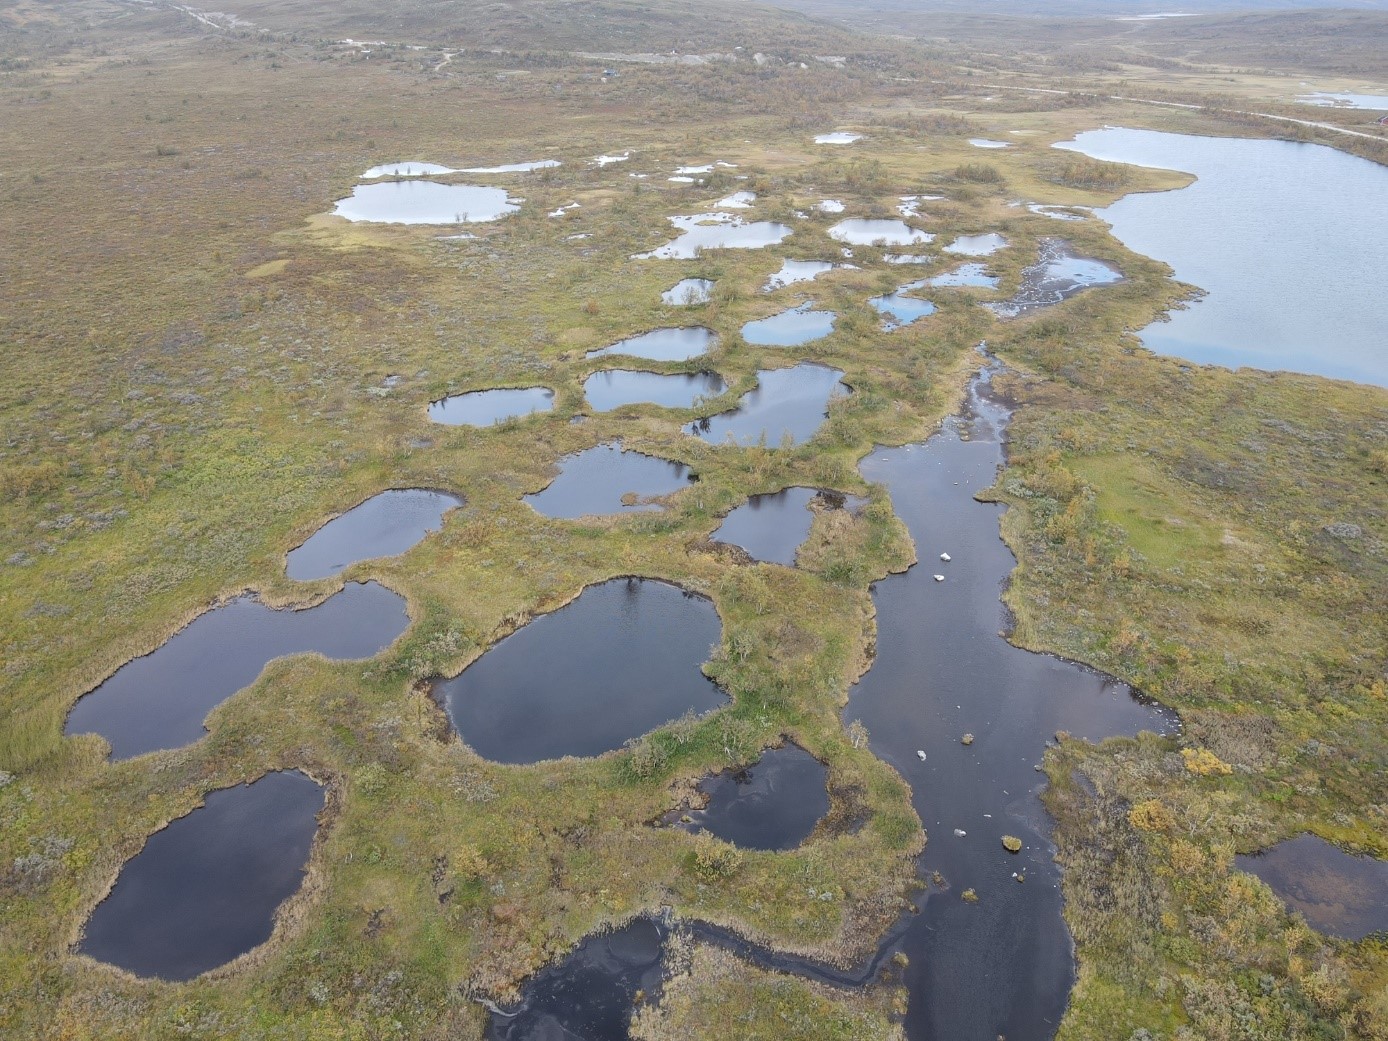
(201, 367)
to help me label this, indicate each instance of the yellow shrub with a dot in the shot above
(1203, 762)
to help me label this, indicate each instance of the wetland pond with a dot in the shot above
(702, 231)
(669, 344)
(771, 527)
(793, 271)
(861, 231)
(1337, 893)
(205, 889)
(976, 245)
(487, 408)
(786, 403)
(1002, 966)
(1281, 236)
(160, 700)
(608, 479)
(613, 388)
(773, 804)
(592, 992)
(790, 328)
(424, 202)
(687, 292)
(1058, 275)
(621, 660)
(898, 309)
(385, 525)
(965, 275)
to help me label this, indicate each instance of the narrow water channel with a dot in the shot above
(1002, 966)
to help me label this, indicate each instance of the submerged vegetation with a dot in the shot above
(201, 366)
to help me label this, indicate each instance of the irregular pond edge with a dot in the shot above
(447, 734)
(462, 501)
(288, 920)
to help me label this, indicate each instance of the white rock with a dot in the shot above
(960, 832)
(945, 557)
(939, 578)
(920, 754)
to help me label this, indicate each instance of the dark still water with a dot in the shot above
(591, 994)
(1288, 239)
(621, 660)
(160, 700)
(205, 889)
(774, 803)
(385, 525)
(1003, 965)
(1336, 892)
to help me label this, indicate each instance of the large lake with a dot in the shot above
(1287, 239)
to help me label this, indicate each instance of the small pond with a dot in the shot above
(621, 660)
(789, 403)
(859, 231)
(667, 344)
(591, 994)
(790, 328)
(607, 479)
(900, 309)
(966, 275)
(542, 164)
(407, 170)
(205, 889)
(1057, 276)
(703, 231)
(613, 388)
(424, 202)
(737, 201)
(385, 525)
(1336, 892)
(976, 245)
(983, 142)
(829, 206)
(1277, 233)
(160, 700)
(838, 137)
(486, 408)
(774, 804)
(688, 292)
(770, 527)
(793, 271)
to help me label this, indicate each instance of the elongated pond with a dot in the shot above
(793, 271)
(701, 231)
(859, 231)
(774, 803)
(1002, 966)
(1336, 892)
(486, 408)
(787, 404)
(613, 388)
(385, 525)
(622, 659)
(424, 202)
(160, 700)
(669, 344)
(608, 479)
(964, 276)
(1276, 233)
(205, 889)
